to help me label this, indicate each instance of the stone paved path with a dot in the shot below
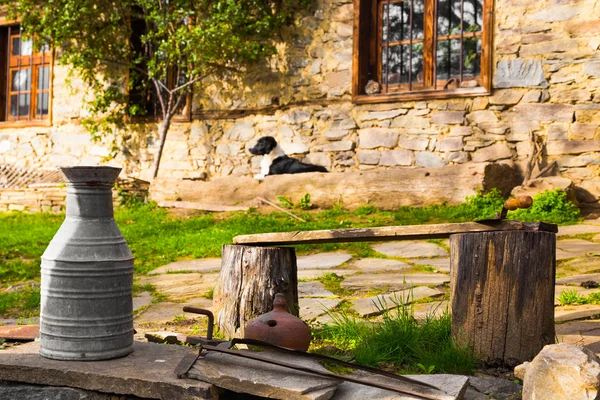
(422, 265)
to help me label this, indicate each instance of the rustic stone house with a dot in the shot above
(356, 85)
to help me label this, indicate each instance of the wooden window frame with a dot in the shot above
(33, 61)
(366, 60)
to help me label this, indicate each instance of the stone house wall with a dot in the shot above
(546, 78)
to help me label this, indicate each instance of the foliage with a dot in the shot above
(285, 202)
(332, 283)
(303, 204)
(139, 46)
(571, 296)
(399, 341)
(550, 206)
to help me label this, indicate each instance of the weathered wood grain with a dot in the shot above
(387, 233)
(250, 278)
(502, 293)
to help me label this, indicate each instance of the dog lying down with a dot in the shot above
(276, 162)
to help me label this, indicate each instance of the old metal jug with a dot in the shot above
(87, 275)
(279, 327)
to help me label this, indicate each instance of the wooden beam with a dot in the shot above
(388, 233)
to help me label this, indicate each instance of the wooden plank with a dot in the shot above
(388, 233)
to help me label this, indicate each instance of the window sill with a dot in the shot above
(24, 124)
(420, 95)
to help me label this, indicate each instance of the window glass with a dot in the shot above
(43, 100)
(21, 80)
(20, 105)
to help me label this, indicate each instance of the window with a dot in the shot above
(24, 78)
(421, 49)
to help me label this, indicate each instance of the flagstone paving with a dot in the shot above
(378, 264)
(313, 289)
(180, 287)
(317, 273)
(570, 248)
(580, 333)
(200, 265)
(578, 279)
(572, 230)
(411, 249)
(312, 307)
(370, 306)
(322, 260)
(573, 313)
(441, 264)
(393, 281)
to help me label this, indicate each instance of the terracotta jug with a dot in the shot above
(279, 327)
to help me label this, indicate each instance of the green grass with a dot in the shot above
(332, 282)
(399, 343)
(571, 296)
(24, 301)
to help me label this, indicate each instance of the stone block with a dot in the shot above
(413, 143)
(343, 124)
(450, 144)
(296, 117)
(429, 159)
(557, 132)
(411, 122)
(458, 157)
(543, 112)
(369, 157)
(569, 96)
(318, 159)
(461, 131)
(561, 147)
(377, 137)
(336, 134)
(577, 161)
(479, 117)
(533, 96)
(506, 97)
(555, 14)
(524, 127)
(584, 131)
(592, 69)
(294, 147)
(448, 117)
(480, 103)
(547, 48)
(380, 115)
(497, 151)
(338, 79)
(519, 73)
(344, 145)
(396, 157)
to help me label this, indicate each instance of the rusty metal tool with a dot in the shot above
(522, 202)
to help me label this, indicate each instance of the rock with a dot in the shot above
(313, 289)
(459, 157)
(560, 147)
(496, 387)
(380, 115)
(580, 229)
(411, 249)
(557, 132)
(198, 265)
(543, 112)
(556, 14)
(335, 134)
(258, 378)
(506, 97)
(592, 69)
(461, 131)
(533, 96)
(393, 281)
(519, 73)
(377, 137)
(396, 157)
(296, 117)
(344, 145)
(368, 157)
(182, 286)
(372, 87)
(448, 117)
(322, 260)
(313, 307)
(317, 273)
(576, 248)
(562, 371)
(17, 391)
(413, 143)
(584, 131)
(520, 370)
(575, 312)
(479, 117)
(580, 333)
(540, 185)
(146, 373)
(497, 151)
(441, 264)
(428, 159)
(318, 159)
(453, 386)
(379, 264)
(142, 300)
(242, 131)
(450, 144)
(371, 306)
(294, 148)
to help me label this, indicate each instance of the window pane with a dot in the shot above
(449, 16)
(399, 20)
(21, 47)
(21, 80)
(42, 104)
(19, 107)
(448, 59)
(43, 78)
(398, 67)
(471, 58)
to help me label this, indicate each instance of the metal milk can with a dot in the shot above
(87, 275)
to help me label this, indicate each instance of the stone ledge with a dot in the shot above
(148, 372)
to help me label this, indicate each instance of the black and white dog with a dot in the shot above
(275, 162)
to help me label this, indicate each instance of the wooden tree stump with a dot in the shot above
(250, 278)
(502, 293)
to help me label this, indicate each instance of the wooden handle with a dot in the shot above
(518, 202)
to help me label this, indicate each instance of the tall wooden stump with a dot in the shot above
(250, 278)
(502, 293)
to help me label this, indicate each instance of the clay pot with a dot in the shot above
(279, 327)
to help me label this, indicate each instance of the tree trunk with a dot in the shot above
(502, 293)
(163, 129)
(250, 278)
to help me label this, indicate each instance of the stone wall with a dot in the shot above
(546, 79)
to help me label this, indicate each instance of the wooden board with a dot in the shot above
(388, 233)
